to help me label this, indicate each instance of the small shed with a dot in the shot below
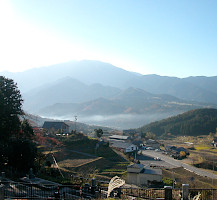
(138, 174)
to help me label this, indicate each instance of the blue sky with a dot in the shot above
(173, 38)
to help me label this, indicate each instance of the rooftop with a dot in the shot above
(119, 137)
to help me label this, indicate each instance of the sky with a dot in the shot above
(164, 37)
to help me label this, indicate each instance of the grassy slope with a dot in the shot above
(80, 157)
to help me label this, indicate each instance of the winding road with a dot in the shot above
(178, 163)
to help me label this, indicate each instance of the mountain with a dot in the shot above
(102, 93)
(129, 108)
(65, 90)
(86, 71)
(129, 101)
(194, 122)
(202, 89)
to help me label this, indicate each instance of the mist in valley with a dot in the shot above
(120, 121)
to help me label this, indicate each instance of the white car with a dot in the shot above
(149, 148)
(157, 158)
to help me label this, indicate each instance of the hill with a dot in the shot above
(193, 123)
(129, 108)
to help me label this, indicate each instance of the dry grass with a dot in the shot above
(195, 181)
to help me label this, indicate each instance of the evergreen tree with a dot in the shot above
(10, 108)
(17, 149)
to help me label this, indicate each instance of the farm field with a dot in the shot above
(81, 158)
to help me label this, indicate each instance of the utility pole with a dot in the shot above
(75, 122)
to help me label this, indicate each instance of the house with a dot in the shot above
(170, 148)
(152, 143)
(138, 174)
(124, 146)
(175, 151)
(138, 143)
(56, 127)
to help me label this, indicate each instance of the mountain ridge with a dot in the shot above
(193, 123)
(89, 86)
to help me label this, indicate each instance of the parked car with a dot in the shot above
(157, 158)
(150, 148)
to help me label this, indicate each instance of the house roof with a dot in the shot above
(119, 137)
(55, 125)
(171, 147)
(135, 165)
(143, 169)
(153, 171)
(150, 141)
(181, 149)
(137, 142)
(122, 145)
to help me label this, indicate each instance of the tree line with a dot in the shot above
(193, 123)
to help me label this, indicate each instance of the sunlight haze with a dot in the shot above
(172, 38)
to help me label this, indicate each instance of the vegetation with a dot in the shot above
(17, 148)
(99, 132)
(148, 135)
(195, 122)
(81, 156)
(194, 180)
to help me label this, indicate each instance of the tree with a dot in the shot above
(182, 154)
(99, 132)
(17, 149)
(10, 108)
(149, 135)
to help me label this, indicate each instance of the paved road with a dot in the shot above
(178, 163)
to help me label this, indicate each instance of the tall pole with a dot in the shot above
(75, 122)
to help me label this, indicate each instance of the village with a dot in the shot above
(146, 162)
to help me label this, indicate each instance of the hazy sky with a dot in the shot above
(174, 38)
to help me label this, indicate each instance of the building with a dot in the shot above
(170, 148)
(119, 137)
(56, 127)
(140, 175)
(124, 146)
(138, 143)
(152, 143)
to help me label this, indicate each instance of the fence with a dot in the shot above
(14, 190)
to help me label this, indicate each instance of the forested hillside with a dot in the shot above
(194, 122)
